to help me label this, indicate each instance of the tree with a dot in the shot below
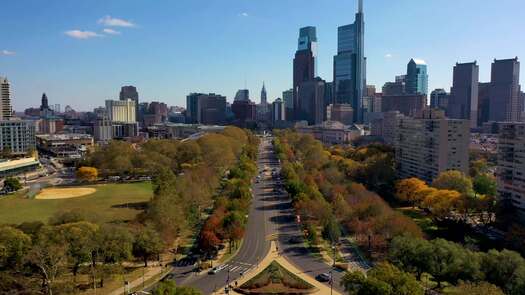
(14, 245)
(80, 239)
(410, 254)
(208, 241)
(65, 217)
(12, 184)
(505, 269)
(382, 279)
(147, 244)
(408, 190)
(332, 231)
(114, 246)
(485, 184)
(88, 174)
(170, 288)
(454, 180)
(481, 288)
(441, 202)
(49, 255)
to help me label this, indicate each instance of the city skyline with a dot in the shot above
(117, 44)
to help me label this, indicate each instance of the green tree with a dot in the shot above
(148, 244)
(410, 254)
(81, 242)
(454, 180)
(12, 184)
(14, 245)
(49, 254)
(505, 269)
(485, 184)
(332, 231)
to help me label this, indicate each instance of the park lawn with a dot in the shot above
(110, 203)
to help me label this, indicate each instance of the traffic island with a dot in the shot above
(275, 279)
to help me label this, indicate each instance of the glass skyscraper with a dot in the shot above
(350, 65)
(304, 64)
(417, 77)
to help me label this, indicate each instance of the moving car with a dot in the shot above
(324, 277)
(216, 269)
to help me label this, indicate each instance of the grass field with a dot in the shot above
(110, 202)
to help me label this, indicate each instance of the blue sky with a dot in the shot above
(168, 48)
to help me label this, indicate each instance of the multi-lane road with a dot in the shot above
(271, 216)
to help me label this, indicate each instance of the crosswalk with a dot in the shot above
(239, 267)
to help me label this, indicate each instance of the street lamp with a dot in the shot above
(332, 272)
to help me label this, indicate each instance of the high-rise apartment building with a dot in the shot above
(6, 110)
(504, 105)
(417, 77)
(17, 136)
(123, 111)
(431, 144)
(463, 102)
(511, 165)
(350, 65)
(304, 63)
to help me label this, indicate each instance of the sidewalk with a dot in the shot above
(271, 256)
(148, 274)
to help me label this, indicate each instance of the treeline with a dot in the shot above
(191, 179)
(48, 258)
(325, 192)
(449, 262)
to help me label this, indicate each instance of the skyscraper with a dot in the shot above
(417, 77)
(288, 103)
(207, 109)
(311, 107)
(264, 97)
(6, 110)
(439, 99)
(483, 102)
(350, 65)
(463, 102)
(505, 91)
(122, 111)
(304, 63)
(130, 92)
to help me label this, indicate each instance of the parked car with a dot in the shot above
(324, 277)
(216, 269)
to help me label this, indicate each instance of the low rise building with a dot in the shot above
(18, 166)
(66, 146)
(332, 132)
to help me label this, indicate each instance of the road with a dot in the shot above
(271, 215)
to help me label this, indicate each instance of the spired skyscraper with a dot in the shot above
(350, 65)
(304, 63)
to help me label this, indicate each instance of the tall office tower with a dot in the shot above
(439, 99)
(511, 165)
(505, 91)
(311, 107)
(288, 103)
(417, 77)
(207, 109)
(350, 64)
(408, 104)
(304, 63)
(394, 88)
(242, 94)
(431, 144)
(483, 102)
(122, 111)
(44, 105)
(278, 110)
(463, 102)
(264, 97)
(6, 111)
(131, 93)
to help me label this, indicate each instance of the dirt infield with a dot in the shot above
(64, 193)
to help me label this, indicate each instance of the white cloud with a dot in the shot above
(245, 14)
(388, 55)
(111, 31)
(115, 22)
(7, 52)
(78, 34)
